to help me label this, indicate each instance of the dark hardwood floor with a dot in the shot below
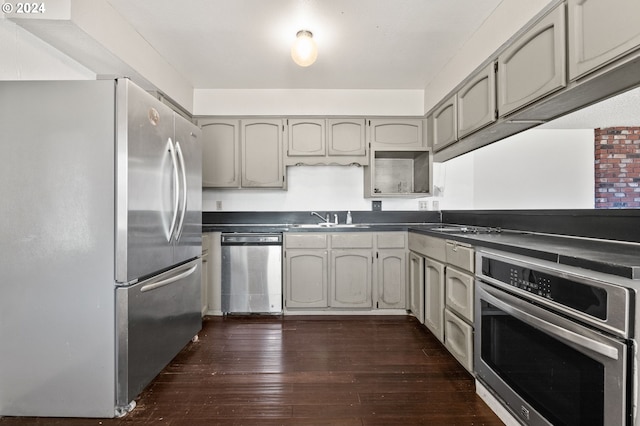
(297, 370)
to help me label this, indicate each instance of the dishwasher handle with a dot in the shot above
(253, 239)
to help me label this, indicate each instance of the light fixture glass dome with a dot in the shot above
(304, 51)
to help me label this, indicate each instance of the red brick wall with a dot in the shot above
(617, 168)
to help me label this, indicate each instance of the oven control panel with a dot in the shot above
(589, 299)
(540, 285)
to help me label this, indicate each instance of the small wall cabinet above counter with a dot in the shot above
(314, 141)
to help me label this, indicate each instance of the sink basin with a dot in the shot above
(329, 225)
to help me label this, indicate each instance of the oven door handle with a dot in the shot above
(492, 296)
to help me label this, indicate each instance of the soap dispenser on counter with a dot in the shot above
(349, 219)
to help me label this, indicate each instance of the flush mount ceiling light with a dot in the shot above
(304, 50)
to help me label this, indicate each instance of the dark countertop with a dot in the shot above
(611, 257)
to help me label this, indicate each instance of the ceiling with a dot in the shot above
(363, 44)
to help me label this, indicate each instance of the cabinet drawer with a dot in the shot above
(428, 246)
(460, 256)
(459, 293)
(391, 240)
(458, 339)
(352, 240)
(305, 240)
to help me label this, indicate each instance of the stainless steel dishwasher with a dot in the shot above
(251, 273)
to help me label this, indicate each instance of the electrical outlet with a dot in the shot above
(423, 205)
(376, 206)
(218, 205)
(436, 205)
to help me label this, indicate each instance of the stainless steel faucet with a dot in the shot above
(325, 220)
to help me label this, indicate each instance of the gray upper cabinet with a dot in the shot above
(306, 137)
(443, 122)
(394, 133)
(346, 137)
(477, 102)
(221, 154)
(600, 31)
(534, 65)
(262, 157)
(326, 141)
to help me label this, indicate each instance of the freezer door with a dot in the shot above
(155, 319)
(188, 235)
(147, 183)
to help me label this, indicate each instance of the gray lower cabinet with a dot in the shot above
(459, 299)
(534, 65)
(459, 339)
(391, 278)
(599, 32)
(416, 280)
(434, 273)
(350, 283)
(476, 102)
(306, 275)
(345, 270)
(306, 270)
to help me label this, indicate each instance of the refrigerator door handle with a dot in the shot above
(184, 191)
(176, 190)
(155, 285)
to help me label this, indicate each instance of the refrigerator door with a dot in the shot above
(57, 322)
(188, 235)
(155, 319)
(147, 184)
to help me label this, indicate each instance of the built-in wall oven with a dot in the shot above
(554, 343)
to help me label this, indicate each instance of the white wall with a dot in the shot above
(506, 20)
(537, 169)
(308, 102)
(24, 56)
(322, 188)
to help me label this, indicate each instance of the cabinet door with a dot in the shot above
(262, 161)
(434, 297)
(599, 32)
(459, 293)
(221, 154)
(444, 127)
(306, 278)
(395, 133)
(351, 278)
(477, 102)
(391, 267)
(346, 137)
(459, 339)
(534, 65)
(306, 138)
(416, 283)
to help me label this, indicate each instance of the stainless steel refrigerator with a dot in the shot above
(100, 244)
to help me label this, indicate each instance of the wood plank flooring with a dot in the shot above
(298, 370)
